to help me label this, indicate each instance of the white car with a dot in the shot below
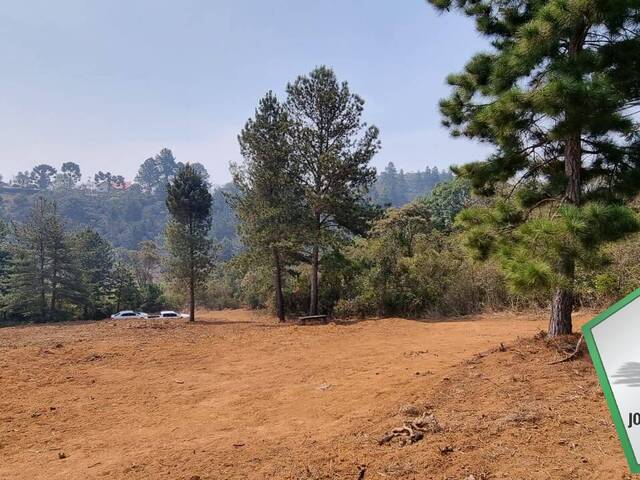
(129, 314)
(172, 314)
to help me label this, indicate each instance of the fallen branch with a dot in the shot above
(572, 354)
(412, 431)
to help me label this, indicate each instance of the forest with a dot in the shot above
(116, 228)
(308, 226)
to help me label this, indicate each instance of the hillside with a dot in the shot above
(129, 216)
(124, 217)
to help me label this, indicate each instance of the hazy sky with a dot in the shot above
(107, 84)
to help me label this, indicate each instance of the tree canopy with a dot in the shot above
(557, 97)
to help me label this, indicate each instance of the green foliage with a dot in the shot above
(393, 188)
(42, 280)
(109, 180)
(269, 200)
(95, 259)
(41, 176)
(148, 175)
(125, 294)
(557, 96)
(438, 278)
(532, 251)
(331, 148)
(68, 177)
(446, 200)
(190, 248)
(402, 225)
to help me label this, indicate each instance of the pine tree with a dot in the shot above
(41, 176)
(124, 293)
(269, 202)
(43, 275)
(332, 148)
(96, 263)
(63, 273)
(189, 205)
(148, 175)
(109, 179)
(166, 165)
(556, 96)
(5, 262)
(70, 174)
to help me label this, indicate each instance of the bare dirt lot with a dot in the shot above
(238, 396)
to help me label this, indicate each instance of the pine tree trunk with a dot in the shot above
(277, 284)
(192, 276)
(54, 285)
(562, 306)
(192, 297)
(560, 321)
(315, 257)
(192, 303)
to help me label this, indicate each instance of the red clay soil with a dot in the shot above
(237, 396)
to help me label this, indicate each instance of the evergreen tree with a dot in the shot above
(191, 250)
(389, 184)
(5, 262)
(268, 201)
(63, 273)
(146, 261)
(148, 175)
(95, 262)
(166, 165)
(332, 149)
(201, 170)
(556, 96)
(109, 179)
(41, 176)
(125, 294)
(69, 175)
(402, 195)
(23, 179)
(43, 275)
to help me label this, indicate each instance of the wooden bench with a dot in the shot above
(312, 320)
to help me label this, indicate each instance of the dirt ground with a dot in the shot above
(237, 396)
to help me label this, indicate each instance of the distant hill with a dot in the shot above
(127, 216)
(396, 188)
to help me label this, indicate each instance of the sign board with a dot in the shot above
(613, 339)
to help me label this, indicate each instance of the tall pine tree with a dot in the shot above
(43, 273)
(189, 205)
(269, 202)
(332, 148)
(96, 262)
(557, 96)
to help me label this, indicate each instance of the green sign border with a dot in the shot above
(604, 379)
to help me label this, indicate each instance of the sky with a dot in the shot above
(107, 84)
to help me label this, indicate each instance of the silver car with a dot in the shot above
(129, 314)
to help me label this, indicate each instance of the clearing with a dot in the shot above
(237, 396)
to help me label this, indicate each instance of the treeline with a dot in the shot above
(51, 273)
(554, 219)
(127, 213)
(124, 213)
(550, 218)
(396, 188)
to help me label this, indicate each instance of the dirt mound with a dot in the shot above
(511, 413)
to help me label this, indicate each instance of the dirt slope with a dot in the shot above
(237, 396)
